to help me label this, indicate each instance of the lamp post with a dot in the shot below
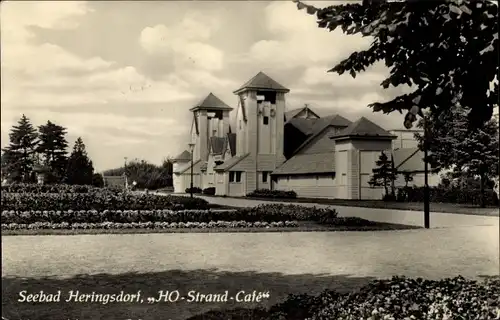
(191, 148)
(426, 177)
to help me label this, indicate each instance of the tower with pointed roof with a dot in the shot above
(259, 128)
(210, 119)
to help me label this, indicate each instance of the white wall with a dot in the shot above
(320, 186)
(341, 173)
(367, 164)
(237, 189)
(221, 179)
(418, 180)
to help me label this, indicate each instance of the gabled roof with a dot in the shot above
(184, 156)
(228, 164)
(291, 114)
(399, 156)
(196, 167)
(211, 102)
(231, 139)
(217, 145)
(409, 160)
(321, 124)
(262, 82)
(363, 128)
(306, 126)
(307, 164)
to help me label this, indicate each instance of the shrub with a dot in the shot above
(266, 193)
(259, 214)
(447, 195)
(196, 190)
(98, 201)
(46, 188)
(389, 197)
(209, 191)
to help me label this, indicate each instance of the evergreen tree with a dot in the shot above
(20, 155)
(53, 148)
(80, 169)
(468, 152)
(408, 176)
(450, 68)
(384, 174)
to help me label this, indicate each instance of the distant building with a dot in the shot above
(267, 147)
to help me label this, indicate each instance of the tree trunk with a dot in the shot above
(481, 190)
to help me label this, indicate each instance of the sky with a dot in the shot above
(123, 75)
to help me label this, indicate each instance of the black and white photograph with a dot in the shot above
(250, 160)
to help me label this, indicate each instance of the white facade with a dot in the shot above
(258, 151)
(309, 186)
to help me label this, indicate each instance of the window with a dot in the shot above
(265, 120)
(264, 176)
(234, 176)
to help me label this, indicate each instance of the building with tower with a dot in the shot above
(270, 147)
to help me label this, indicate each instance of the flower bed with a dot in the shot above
(264, 213)
(97, 201)
(396, 299)
(146, 225)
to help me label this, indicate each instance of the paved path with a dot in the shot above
(415, 218)
(434, 253)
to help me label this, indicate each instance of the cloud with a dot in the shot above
(185, 42)
(298, 41)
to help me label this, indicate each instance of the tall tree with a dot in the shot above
(20, 154)
(53, 148)
(384, 174)
(452, 146)
(453, 67)
(80, 169)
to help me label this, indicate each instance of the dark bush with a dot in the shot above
(97, 180)
(279, 194)
(195, 190)
(389, 197)
(447, 195)
(97, 201)
(209, 191)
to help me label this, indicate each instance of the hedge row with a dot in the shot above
(396, 299)
(98, 201)
(209, 191)
(195, 190)
(266, 193)
(52, 188)
(447, 195)
(147, 225)
(264, 213)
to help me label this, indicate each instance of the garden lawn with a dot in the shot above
(281, 263)
(379, 204)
